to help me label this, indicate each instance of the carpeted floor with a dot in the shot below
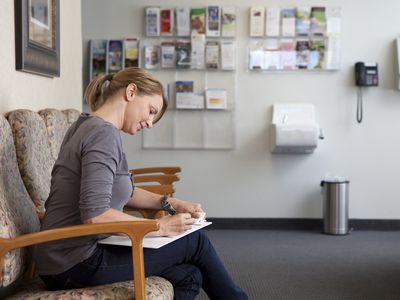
(309, 265)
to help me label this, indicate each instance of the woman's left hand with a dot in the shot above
(182, 206)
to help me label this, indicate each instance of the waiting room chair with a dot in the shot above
(19, 224)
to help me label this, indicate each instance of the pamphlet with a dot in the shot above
(318, 21)
(213, 21)
(168, 55)
(152, 21)
(303, 54)
(152, 57)
(288, 22)
(228, 21)
(152, 242)
(183, 52)
(216, 99)
(167, 21)
(212, 55)
(131, 52)
(185, 98)
(98, 55)
(198, 19)
(197, 51)
(115, 55)
(272, 22)
(257, 15)
(183, 21)
(303, 21)
(228, 55)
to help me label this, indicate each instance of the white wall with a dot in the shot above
(249, 181)
(23, 90)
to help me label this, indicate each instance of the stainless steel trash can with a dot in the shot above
(335, 206)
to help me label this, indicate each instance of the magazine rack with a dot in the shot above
(195, 127)
(294, 39)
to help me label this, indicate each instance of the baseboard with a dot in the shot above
(298, 224)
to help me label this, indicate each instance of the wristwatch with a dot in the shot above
(165, 205)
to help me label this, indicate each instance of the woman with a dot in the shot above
(91, 184)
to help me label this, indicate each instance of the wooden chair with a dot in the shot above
(19, 225)
(159, 180)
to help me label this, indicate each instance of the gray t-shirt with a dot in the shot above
(89, 177)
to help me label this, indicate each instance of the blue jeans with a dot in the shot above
(189, 263)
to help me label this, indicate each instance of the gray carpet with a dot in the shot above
(309, 265)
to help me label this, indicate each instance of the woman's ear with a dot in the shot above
(130, 92)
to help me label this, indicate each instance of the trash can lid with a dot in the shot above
(334, 181)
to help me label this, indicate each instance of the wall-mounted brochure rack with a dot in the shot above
(192, 52)
(301, 38)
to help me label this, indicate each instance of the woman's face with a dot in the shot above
(140, 112)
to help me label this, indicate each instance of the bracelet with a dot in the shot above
(165, 205)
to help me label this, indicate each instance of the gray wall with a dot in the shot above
(249, 181)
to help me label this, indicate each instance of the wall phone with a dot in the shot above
(366, 74)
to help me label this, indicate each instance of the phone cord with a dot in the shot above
(359, 105)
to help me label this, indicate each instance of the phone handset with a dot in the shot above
(366, 74)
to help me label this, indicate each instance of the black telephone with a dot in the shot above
(366, 74)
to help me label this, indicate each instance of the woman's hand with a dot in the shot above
(174, 225)
(194, 209)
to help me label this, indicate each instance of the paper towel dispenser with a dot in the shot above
(294, 128)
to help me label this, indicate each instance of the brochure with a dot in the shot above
(152, 57)
(212, 55)
(288, 22)
(216, 99)
(98, 55)
(167, 21)
(131, 52)
(228, 21)
(228, 55)
(183, 21)
(152, 21)
(257, 15)
(303, 54)
(168, 55)
(115, 55)
(318, 21)
(183, 52)
(213, 21)
(317, 54)
(272, 22)
(303, 21)
(185, 98)
(198, 18)
(197, 51)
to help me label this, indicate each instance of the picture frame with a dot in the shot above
(37, 37)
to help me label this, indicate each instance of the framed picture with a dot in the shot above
(37, 36)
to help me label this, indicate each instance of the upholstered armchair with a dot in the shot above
(19, 224)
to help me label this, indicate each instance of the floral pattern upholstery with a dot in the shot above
(35, 161)
(18, 216)
(17, 212)
(157, 288)
(56, 125)
(71, 114)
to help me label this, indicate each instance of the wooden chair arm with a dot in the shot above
(135, 230)
(164, 170)
(166, 190)
(161, 179)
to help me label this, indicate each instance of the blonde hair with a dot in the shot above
(104, 86)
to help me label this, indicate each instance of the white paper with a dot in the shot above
(228, 56)
(189, 101)
(151, 242)
(197, 54)
(333, 53)
(183, 21)
(272, 60)
(272, 27)
(256, 60)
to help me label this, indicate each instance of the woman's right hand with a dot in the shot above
(176, 224)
